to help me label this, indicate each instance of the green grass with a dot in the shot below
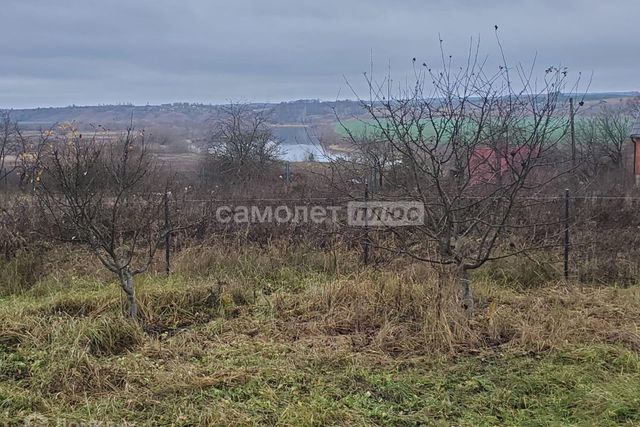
(254, 382)
(265, 351)
(361, 128)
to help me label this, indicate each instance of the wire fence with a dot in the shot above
(582, 237)
(585, 237)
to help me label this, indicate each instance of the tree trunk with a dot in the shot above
(126, 281)
(462, 277)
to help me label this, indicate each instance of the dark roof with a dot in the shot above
(635, 130)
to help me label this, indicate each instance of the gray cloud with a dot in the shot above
(89, 51)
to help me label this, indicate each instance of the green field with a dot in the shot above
(361, 128)
(268, 336)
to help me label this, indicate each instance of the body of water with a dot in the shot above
(299, 143)
(303, 152)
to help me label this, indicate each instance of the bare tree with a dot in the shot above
(588, 139)
(9, 147)
(33, 150)
(602, 139)
(242, 141)
(101, 194)
(614, 127)
(471, 144)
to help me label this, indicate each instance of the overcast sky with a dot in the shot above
(86, 52)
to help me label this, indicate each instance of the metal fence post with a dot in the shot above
(167, 236)
(566, 234)
(365, 248)
(287, 176)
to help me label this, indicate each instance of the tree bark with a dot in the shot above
(462, 277)
(126, 281)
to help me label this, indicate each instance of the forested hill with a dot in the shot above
(181, 114)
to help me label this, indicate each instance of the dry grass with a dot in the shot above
(560, 315)
(269, 336)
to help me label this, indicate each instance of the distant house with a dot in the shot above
(486, 166)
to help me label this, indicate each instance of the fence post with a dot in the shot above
(566, 234)
(287, 176)
(167, 236)
(365, 248)
(374, 179)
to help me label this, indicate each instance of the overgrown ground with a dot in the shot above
(273, 336)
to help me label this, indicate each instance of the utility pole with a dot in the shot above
(573, 133)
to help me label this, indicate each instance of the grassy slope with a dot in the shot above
(273, 340)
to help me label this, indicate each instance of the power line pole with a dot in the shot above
(573, 133)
